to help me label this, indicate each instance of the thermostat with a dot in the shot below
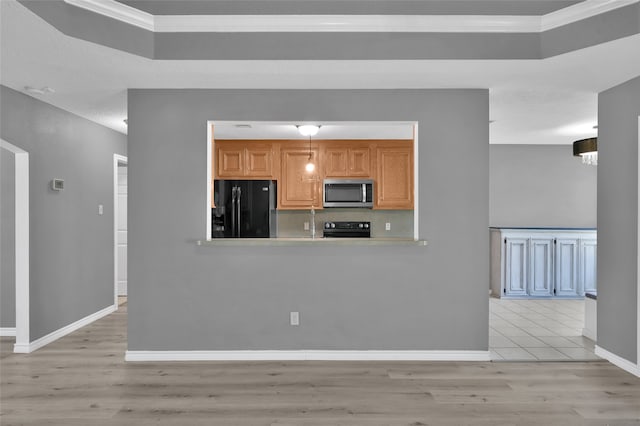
(57, 184)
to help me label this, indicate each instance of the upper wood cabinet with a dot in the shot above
(348, 159)
(388, 162)
(297, 188)
(243, 160)
(394, 176)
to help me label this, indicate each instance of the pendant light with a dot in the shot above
(587, 149)
(309, 130)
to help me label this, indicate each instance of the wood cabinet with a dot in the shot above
(243, 160)
(298, 189)
(349, 159)
(394, 176)
(388, 162)
(542, 263)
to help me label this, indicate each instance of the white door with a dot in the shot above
(122, 230)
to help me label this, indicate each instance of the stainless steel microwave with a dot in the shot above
(348, 193)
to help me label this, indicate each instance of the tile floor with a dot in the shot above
(543, 330)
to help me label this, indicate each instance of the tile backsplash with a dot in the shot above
(291, 222)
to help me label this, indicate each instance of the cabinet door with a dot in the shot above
(230, 162)
(566, 267)
(259, 162)
(335, 160)
(394, 180)
(516, 266)
(588, 265)
(359, 162)
(298, 189)
(541, 276)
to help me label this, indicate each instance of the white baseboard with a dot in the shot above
(45, 340)
(618, 361)
(590, 334)
(7, 331)
(307, 355)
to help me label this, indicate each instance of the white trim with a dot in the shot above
(7, 331)
(116, 10)
(307, 355)
(209, 178)
(416, 181)
(61, 332)
(350, 23)
(11, 147)
(21, 240)
(580, 11)
(117, 159)
(638, 259)
(347, 23)
(614, 359)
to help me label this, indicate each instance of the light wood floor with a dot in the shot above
(82, 379)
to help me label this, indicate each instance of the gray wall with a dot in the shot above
(71, 258)
(541, 186)
(7, 240)
(185, 297)
(618, 111)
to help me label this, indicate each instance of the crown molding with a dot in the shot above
(580, 11)
(116, 10)
(349, 23)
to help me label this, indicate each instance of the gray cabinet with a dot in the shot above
(588, 265)
(542, 262)
(516, 277)
(566, 267)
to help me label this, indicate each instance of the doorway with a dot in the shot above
(120, 195)
(21, 244)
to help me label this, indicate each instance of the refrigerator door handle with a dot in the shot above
(233, 210)
(239, 201)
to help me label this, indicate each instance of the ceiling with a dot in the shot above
(547, 101)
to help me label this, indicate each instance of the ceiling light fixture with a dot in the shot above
(41, 91)
(309, 130)
(588, 150)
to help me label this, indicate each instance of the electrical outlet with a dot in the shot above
(306, 226)
(100, 209)
(294, 318)
(387, 226)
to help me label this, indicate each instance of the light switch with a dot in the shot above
(387, 226)
(294, 318)
(100, 209)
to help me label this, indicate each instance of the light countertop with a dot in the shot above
(239, 242)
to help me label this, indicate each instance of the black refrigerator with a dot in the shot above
(244, 209)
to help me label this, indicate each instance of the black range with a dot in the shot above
(347, 230)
